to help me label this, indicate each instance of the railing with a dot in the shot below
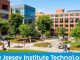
(4, 11)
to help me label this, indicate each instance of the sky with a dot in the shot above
(49, 6)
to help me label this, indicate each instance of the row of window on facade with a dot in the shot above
(71, 25)
(66, 20)
(61, 15)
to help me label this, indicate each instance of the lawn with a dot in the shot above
(75, 46)
(21, 50)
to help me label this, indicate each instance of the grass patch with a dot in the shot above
(75, 45)
(44, 44)
(20, 50)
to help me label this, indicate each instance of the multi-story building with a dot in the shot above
(26, 11)
(67, 19)
(4, 9)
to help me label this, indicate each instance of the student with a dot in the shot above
(68, 47)
(3, 47)
(65, 48)
(9, 44)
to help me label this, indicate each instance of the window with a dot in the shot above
(56, 15)
(66, 30)
(66, 20)
(71, 25)
(52, 15)
(77, 19)
(56, 20)
(66, 25)
(71, 14)
(61, 25)
(66, 14)
(61, 15)
(71, 20)
(53, 21)
(56, 25)
(4, 16)
(61, 20)
(77, 14)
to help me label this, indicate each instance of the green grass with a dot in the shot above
(76, 43)
(21, 50)
(43, 44)
(76, 46)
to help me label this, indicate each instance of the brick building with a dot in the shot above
(67, 19)
(4, 9)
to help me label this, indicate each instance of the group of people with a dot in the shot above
(4, 47)
(66, 47)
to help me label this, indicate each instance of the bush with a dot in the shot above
(66, 42)
(44, 44)
(20, 40)
(9, 37)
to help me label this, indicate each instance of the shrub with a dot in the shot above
(9, 37)
(44, 44)
(65, 42)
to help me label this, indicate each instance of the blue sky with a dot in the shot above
(49, 6)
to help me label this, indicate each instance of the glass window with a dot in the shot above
(71, 14)
(66, 14)
(77, 14)
(56, 20)
(66, 20)
(71, 25)
(61, 20)
(77, 19)
(61, 25)
(52, 15)
(71, 20)
(66, 30)
(56, 25)
(61, 15)
(53, 21)
(56, 15)
(66, 25)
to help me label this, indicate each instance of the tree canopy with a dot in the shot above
(44, 24)
(14, 22)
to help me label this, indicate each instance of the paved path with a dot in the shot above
(54, 47)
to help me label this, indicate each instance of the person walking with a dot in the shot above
(9, 44)
(68, 47)
(65, 48)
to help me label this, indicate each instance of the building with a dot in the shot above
(67, 19)
(26, 11)
(4, 9)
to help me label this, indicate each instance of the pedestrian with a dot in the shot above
(65, 48)
(9, 44)
(3, 47)
(68, 47)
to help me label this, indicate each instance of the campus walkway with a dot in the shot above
(31, 46)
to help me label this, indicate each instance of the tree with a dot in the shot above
(24, 30)
(76, 32)
(3, 26)
(57, 32)
(44, 24)
(62, 32)
(15, 21)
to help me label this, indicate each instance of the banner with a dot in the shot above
(39, 56)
